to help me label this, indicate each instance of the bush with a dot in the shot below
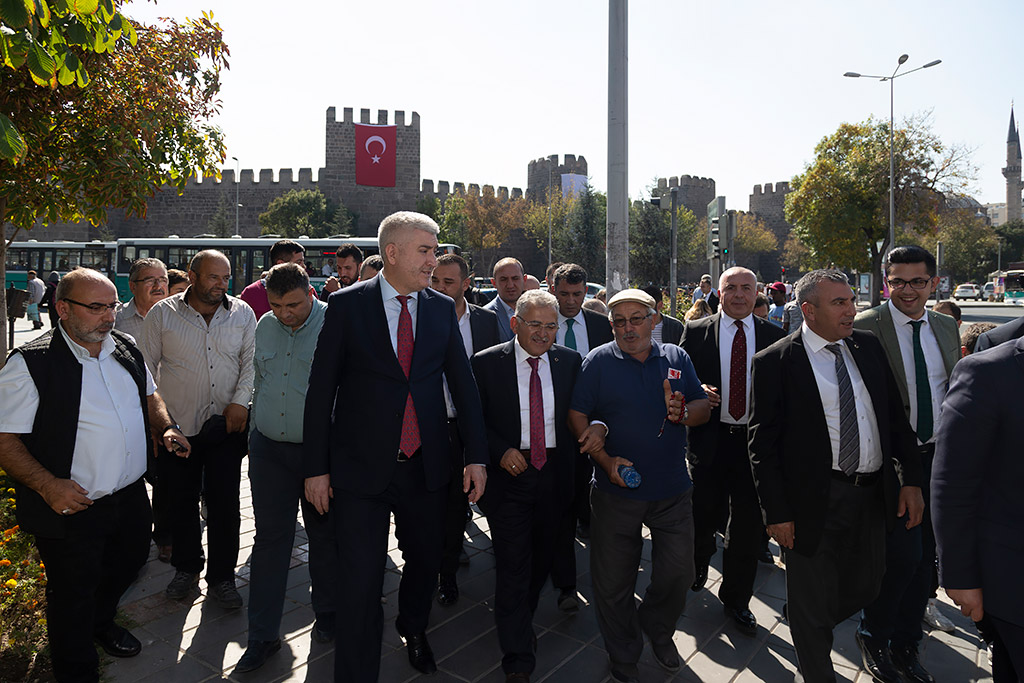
(22, 595)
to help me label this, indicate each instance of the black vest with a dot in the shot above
(57, 375)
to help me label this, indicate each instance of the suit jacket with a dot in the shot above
(977, 507)
(484, 326)
(878, 320)
(495, 306)
(357, 392)
(700, 341)
(671, 329)
(495, 370)
(599, 329)
(790, 450)
(998, 335)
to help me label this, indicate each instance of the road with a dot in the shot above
(985, 312)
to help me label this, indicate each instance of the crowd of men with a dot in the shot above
(859, 442)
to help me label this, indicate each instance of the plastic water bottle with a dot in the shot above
(630, 476)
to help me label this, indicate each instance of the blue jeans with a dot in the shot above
(895, 615)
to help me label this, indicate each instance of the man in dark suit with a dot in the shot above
(1004, 333)
(722, 348)
(509, 278)
(826, 424)
(479, 330)
(580, 330)
(390, 451)
(532, 458)
(922, 347)
(977, 509)
(667, 330)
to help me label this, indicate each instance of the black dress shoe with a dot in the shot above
(743, 618)
(447, 590)
(256, 654)
(700, 579)
(666, 655)
(904, 658)
(323, 629)
(118, 642)
(420, 655)
(877, 661)
(517, 677)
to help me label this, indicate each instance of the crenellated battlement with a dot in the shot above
(781, 187)
(285, 176)
(687, 181)
(382, 117)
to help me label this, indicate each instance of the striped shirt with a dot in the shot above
(200, 368)
(129, 321)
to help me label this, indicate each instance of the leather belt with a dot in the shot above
(732, 428)
(404, 457)
(857, 479)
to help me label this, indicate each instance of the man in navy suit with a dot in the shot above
(977, 509)
(525, 387)
(479, 330)
(510, 281)
(389, 452)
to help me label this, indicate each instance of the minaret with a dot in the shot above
(1012, 172)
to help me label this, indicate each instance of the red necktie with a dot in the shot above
(410, 425)
(538, 450)
(738, 374)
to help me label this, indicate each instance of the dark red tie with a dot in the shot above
(410, 425)
(738, 374)
(538, 449)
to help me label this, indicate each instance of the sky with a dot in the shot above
(733, 90)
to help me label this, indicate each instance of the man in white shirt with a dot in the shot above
(75, 405)
(36, 290)
(199, 345)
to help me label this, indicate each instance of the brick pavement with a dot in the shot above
(196, 640)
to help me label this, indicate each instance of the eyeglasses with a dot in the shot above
(538, 325)
(148, 281)
(97, 307)
(916, 283)
(635, 321)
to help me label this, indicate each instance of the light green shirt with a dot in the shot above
(283, 358)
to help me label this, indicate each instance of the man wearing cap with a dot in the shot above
(777, 293)
(645, 393)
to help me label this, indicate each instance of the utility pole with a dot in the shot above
(617, 226)
(673, 275)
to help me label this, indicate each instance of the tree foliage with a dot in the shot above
(1012, 235)
(650, 240)
(840, 203)
(479, 222)
(98, 111)
(304, 212)
(577, 227)
(222, 223)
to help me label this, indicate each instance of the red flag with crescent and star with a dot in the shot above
(375, 155)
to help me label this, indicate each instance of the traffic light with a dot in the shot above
(716, 247)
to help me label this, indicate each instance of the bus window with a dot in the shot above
(259, 261)
(47, 260)
(17, 259)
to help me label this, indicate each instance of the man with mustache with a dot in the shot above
(199, 345)
(348, 260)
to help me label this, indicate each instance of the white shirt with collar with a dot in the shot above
(547, 387)
(393, 309)
(579, 328)
(111, 442)
(823, 363)
(726, 336)
(467, 342)
(937, 381)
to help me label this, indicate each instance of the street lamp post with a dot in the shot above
(237, 184)
(892, 156)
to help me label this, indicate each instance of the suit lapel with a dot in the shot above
(803, 377)
(559, 381)
(891, 344)
(949, 346)
(509, 377)
(714, 362)
(378, 327)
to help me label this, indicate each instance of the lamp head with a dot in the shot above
(852, 74)
(904, 58)
(937, 61)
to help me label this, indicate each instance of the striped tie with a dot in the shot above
(849, 435)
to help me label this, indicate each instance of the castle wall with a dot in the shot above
(769, 204)
(694, 193)
(541, 172)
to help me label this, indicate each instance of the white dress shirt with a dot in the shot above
(547, 387)
(726, 335)
(579, 328)
(823, 363)
(467, 342)
(393, 309)
(937, 380)
(111, 442)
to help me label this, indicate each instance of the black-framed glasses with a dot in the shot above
(916, 283)
(635, 321)
(96, 307)
(538, 325)
(148, 281)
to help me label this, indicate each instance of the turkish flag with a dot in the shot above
(375, 155)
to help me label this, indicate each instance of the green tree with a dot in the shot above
(1012, 235)
(453, 223)
(98, 111)
(585, 230)
(550, 217)
(840, 203)
(480, 222)
(222, 223)
(302, 212)
(650, 239)
(430, 206)
(968, 246)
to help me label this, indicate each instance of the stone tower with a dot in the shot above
(1012, 172)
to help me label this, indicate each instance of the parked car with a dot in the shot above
(967, 291)
(988, 292)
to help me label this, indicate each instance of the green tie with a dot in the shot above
(924, 391)
(570, 336)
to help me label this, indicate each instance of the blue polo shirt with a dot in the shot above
(628, 396)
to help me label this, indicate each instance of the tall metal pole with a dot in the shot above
(238, 182)
(549, 220)
(892, 168)
(617, 226)
(672, 273)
